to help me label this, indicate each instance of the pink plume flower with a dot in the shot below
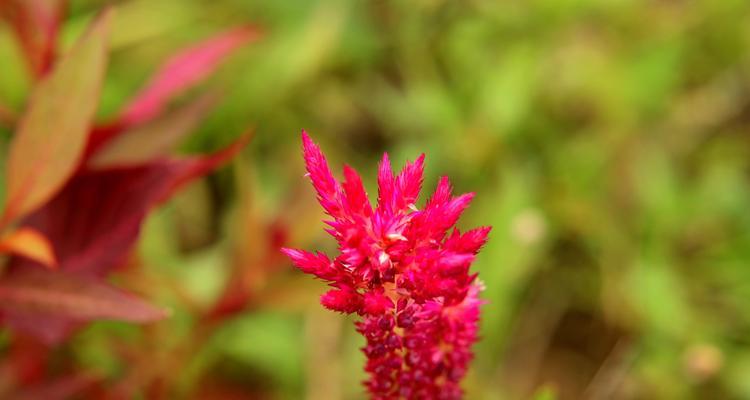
(403, 273)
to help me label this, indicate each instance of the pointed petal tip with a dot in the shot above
(419, 163)
(483, 231)
(479, 236)
(385, 160)
(467, 195)
(289, 252)
(299, 258)
(308, 145)
(465, 199)
(384, 167)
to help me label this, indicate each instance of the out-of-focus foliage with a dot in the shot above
(607, 142)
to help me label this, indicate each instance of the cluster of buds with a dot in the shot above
(403, 273)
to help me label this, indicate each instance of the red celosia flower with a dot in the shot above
(403, 274)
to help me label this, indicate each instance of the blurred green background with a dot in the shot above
(607, 142)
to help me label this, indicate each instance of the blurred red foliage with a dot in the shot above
(70, 221)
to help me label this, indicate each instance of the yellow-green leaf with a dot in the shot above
(52, 132)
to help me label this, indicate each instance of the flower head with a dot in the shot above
(401, 270)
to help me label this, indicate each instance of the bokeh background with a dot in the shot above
(607, 142)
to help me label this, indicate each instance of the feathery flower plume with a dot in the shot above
(403, 273)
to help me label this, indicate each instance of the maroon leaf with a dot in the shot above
(182, 71)
(44, 293)
(95, 219)
(48, 329)
(92, 223)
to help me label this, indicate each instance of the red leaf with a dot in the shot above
(48, 329)
(31, 244)
(95, 219)
(185, 69)
(152, 139)
(25, 360)
(42, 294)
(93, 222)
(52, 132)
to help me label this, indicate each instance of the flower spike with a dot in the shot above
(402, 273)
